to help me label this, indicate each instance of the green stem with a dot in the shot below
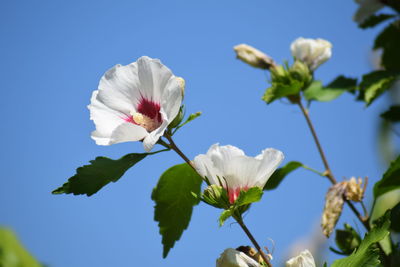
(252, 239)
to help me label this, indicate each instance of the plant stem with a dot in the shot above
(175, 148)
(253, 240)
(328, 171)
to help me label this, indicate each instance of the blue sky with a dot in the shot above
(53, 54)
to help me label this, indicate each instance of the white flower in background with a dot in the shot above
(236, 171)
(366, 9)
(234, 258)
(312, 52)
(253, 56)
(304, 259)
(135, 102)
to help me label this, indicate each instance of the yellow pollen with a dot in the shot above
(146, 122)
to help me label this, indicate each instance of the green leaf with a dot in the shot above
(375, 83)
(89, 179)
(367, 254)
(395, 218)
(389, 41)
(191, 117)
(374, 20)
(390, 179)
(347, 239)
(224, 216)
(280, 173)
(393, 114)
(317, 92)
(13, 253)
(174, 202)
(279, 90)
(252, 195)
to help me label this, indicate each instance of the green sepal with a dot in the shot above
(89, 179)
(226, 214)
(249, 196)
(178, 118)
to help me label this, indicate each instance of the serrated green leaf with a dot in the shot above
(174, 202)
(389, 41)
(252, 195)
(13, 253)
(89, 179)
(317, 92)
(375, 83)
(374, 20)
(390, 179)
(393, 114)
(281, 173)
(224, 216)
(367, 255)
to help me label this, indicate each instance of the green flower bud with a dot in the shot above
(300, 71)
(216, 196)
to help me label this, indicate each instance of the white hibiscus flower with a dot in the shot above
(236, 171)
(312, 52)
(234, 258)
(135, 102)
(304, 259)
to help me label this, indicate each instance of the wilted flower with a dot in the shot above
(354, 191)
(253, 56)
(312, 52)
(135, 102)
(333, 207)
(230, 168)
(366, 9)
(304, 259)
(233, 258)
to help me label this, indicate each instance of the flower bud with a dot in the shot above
(253, 56)
(182, 84)
(216, 196)
(300, 72)
(312, 52)
(304, 259)
(233, 258)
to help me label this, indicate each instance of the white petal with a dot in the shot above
(152, 138)
(171, 99)
(270, 159)
(305, 259)
(222, 155)
(119, 88)
(241, 171)
(154, 78)
(205, 167)
(233, 258)
(111, 127)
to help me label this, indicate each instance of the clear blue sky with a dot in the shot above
(52, 55)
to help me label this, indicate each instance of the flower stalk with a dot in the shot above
(328, 171)
(252, 239)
